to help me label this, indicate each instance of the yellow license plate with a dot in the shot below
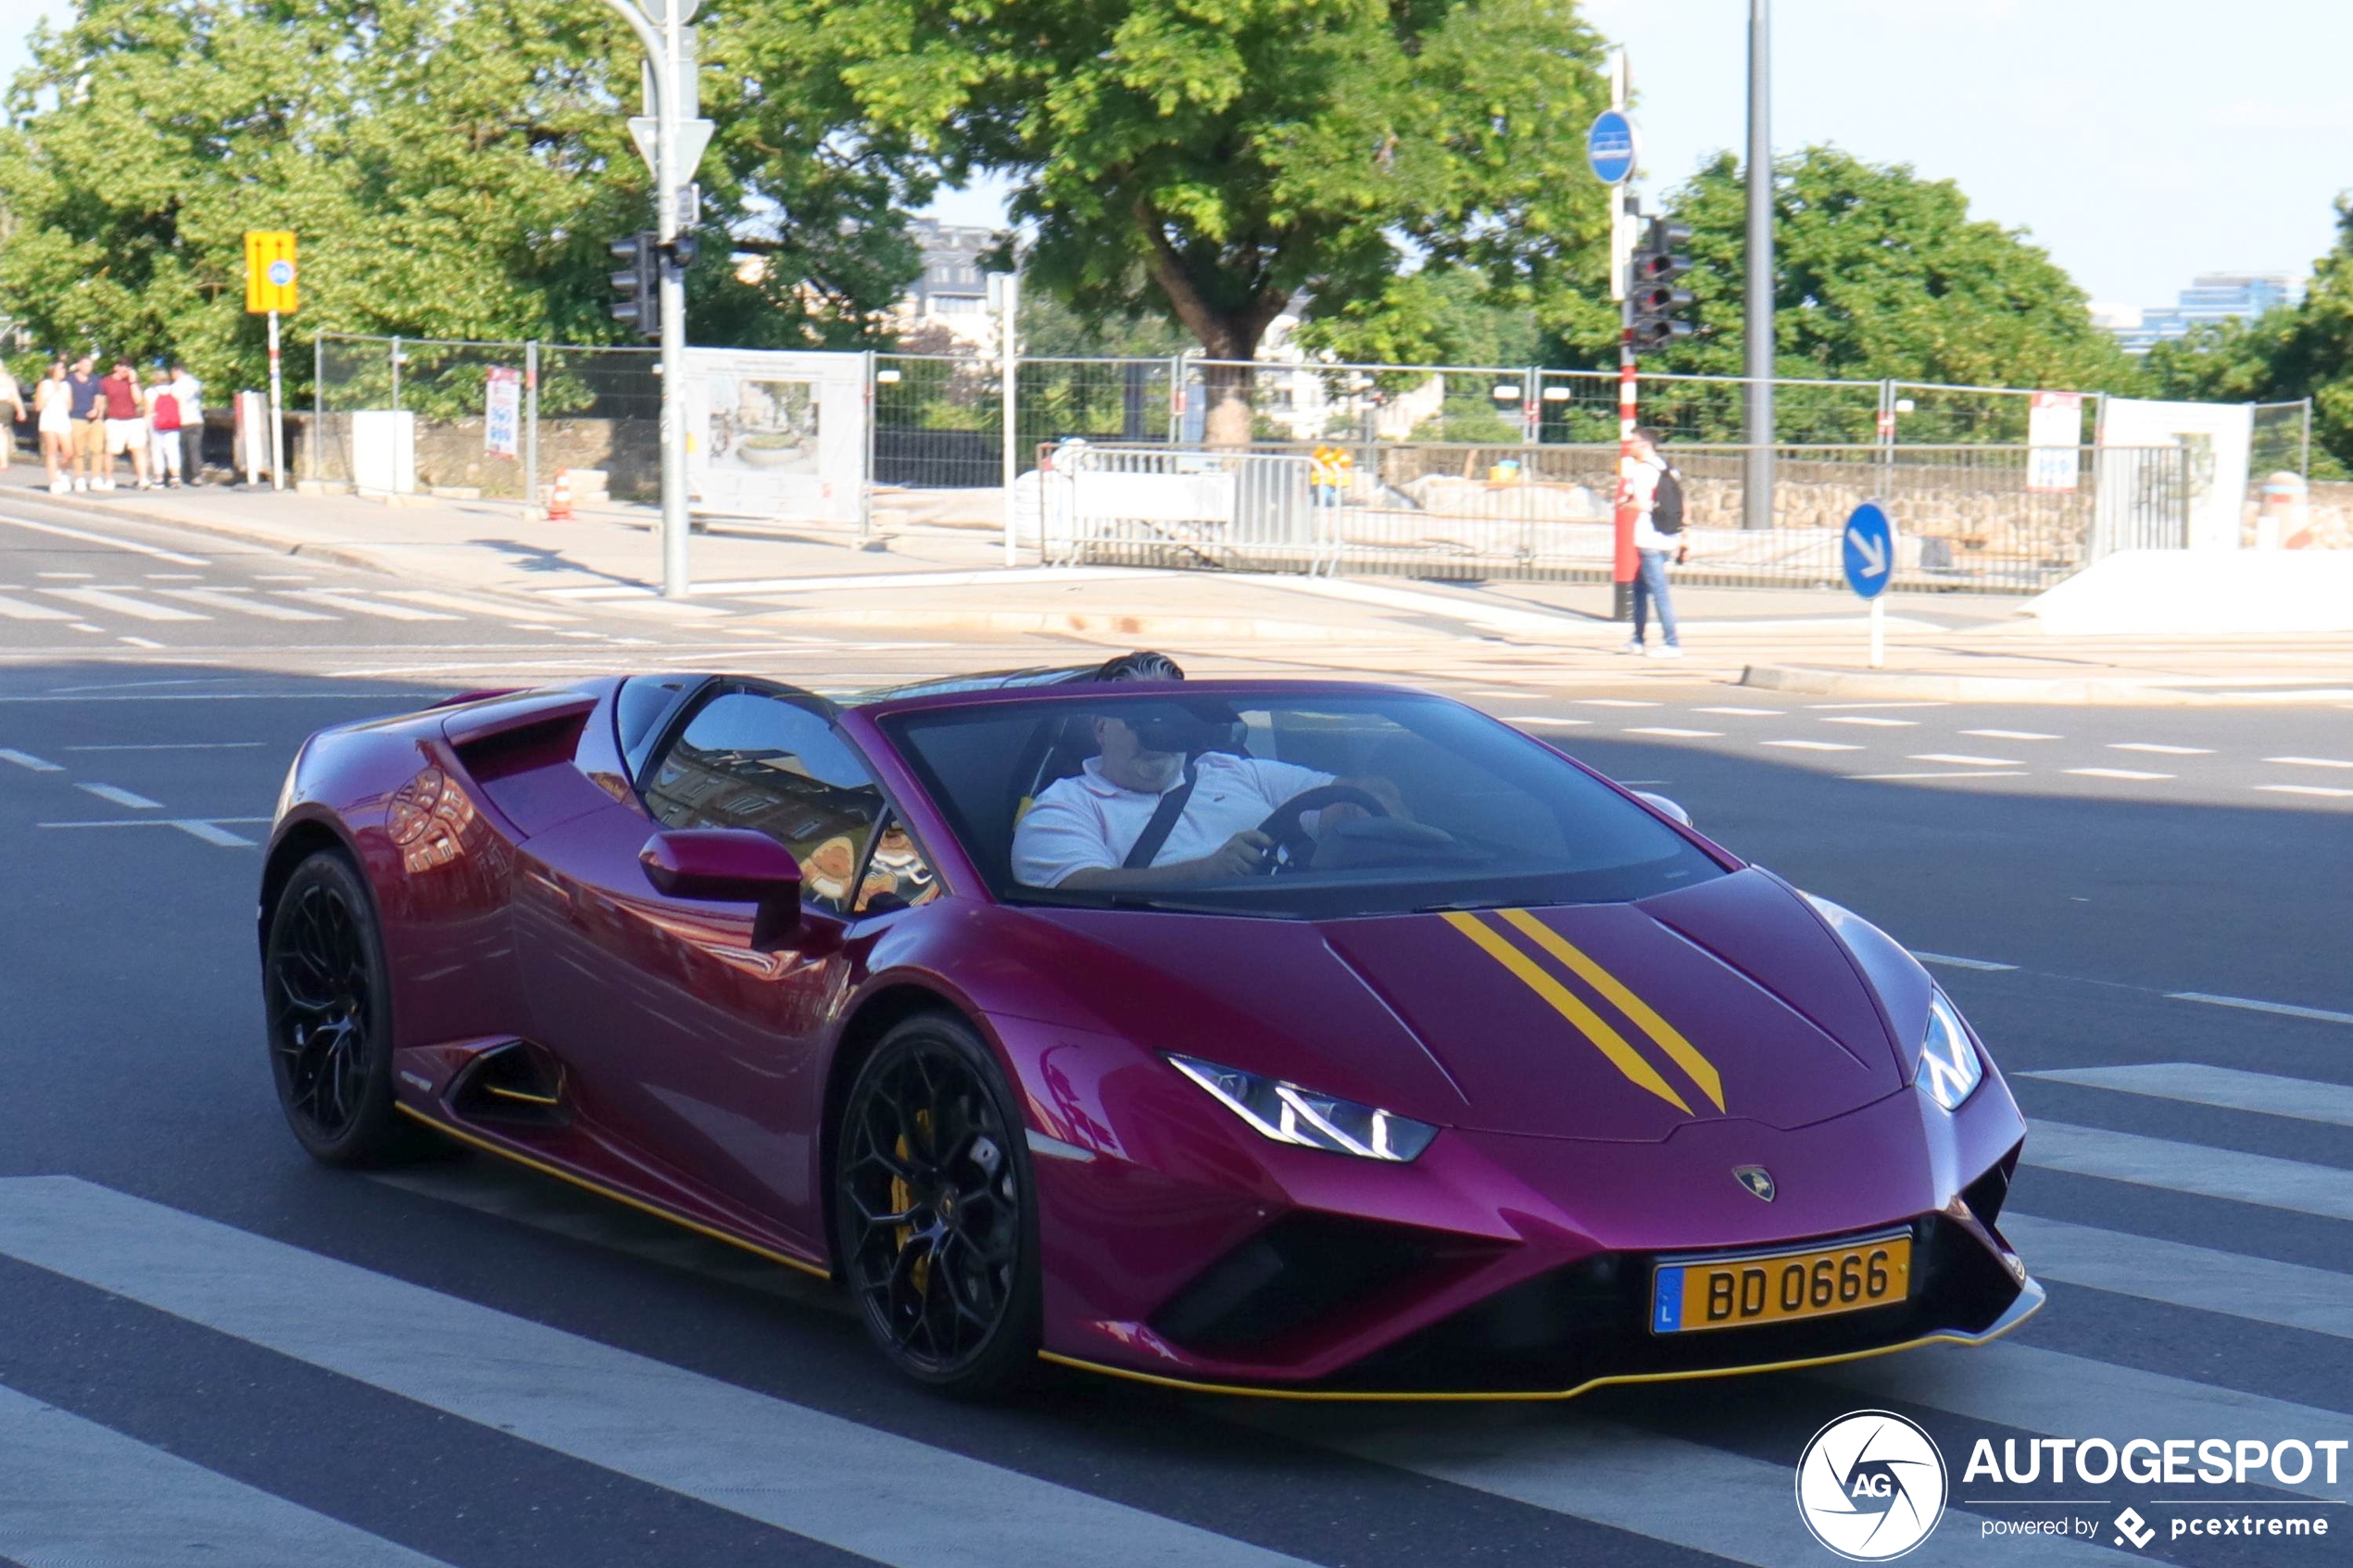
(1820, 1283)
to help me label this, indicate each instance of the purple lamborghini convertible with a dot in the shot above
(1312, 1038)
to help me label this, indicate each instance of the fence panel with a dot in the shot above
(601, 412)
(1153, 506)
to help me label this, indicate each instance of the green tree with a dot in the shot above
(2290, 352)
(1216, 163)
(455, 168)
(1882, 273)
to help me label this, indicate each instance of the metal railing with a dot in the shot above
(1125, 506)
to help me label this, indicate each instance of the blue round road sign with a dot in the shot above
(1866, 549)
(1610, 147)
(281, 272)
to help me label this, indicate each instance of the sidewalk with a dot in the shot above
(952, 580)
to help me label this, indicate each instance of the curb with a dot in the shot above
(341, 554)
(1110, 626)
(2078, 691)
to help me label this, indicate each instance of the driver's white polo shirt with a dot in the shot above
(1085, 820)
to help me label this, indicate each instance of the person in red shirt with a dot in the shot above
(126, 424)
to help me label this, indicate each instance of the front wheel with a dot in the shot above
(329, 1006)
(937, 1211)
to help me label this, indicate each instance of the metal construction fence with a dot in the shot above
(1973, 516)
(1459, 471)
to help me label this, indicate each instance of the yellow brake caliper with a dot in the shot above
(902, 1197)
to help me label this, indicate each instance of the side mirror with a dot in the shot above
(1661, 804)
(729, 865)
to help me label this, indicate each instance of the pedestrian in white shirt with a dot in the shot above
(1657, 492)
(188, 392)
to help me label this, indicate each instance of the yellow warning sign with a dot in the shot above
(269, 271)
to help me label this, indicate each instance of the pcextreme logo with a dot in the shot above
(1871, 1486)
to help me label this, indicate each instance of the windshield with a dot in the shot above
(1315, 807)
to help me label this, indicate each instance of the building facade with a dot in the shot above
(2214, 296)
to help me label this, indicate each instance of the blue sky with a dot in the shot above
(2139, 141)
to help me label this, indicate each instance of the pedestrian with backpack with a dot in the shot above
(163, 428)
(1657, 492)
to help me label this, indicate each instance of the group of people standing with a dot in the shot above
(87, 423)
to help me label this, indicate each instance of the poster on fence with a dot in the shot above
(2054, 436)
(502, 413)
(2216, 439)
(776, 433)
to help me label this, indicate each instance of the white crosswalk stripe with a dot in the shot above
(243, 603)
(473, 605)
(355, 605)
(2194, 1168)
(2259, 1289)
(25, 609)
(73, 1493)
(123, 603)
(798, 1469)
(2229, 1089)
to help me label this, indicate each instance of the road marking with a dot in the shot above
(2160, 748)
(2112, 773)
(1663, 729)
(157, 553)
(82, 1493)
(2228, 1088)
(2011, 734)
(1963, 760)
(358, 605)
(1868, 719)
(1828, 707)
(473, 605)
(1644, 1482)
(209, 829)
(174, 576)
(2259, 1289)
(243, 603)
(818, 1476)
(122, 604)
(1614, 702)
(284, 577)
(139, 642)
(26, 760)
(116, 795)
(2024, 1386)
(1951, 962)
(25, 609)
(2322, 790)
(1543, 718)
(2310, 761)
(1980, 773)
(67, 576)
(2260, 1179)
(1745, 712)
(1811, 745)
(2284, 1010)
(230, 696)
(173, 746)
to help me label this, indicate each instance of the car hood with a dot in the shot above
(1730, 999)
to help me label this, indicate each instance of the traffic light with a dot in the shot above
(1658, 303)
(637, 285)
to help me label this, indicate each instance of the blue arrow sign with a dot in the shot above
(1866, 549)
(281, 273)
(1610, 147)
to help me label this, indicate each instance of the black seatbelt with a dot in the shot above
(1164, 823)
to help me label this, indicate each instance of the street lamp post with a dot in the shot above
(1756, 487)
(661, 27)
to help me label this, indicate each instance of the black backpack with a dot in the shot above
(1667, 502)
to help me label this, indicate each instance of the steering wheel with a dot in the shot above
(1294, 847)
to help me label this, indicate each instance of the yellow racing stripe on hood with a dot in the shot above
(1665, 1035)
(1611, 1044)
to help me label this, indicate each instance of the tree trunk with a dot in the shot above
(1228, 337)
(1227, 420)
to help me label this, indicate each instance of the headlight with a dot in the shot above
(1949, 1068)
(1287, 1114)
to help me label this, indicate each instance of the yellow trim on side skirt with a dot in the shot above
(520, 1096)
(1611, 1044)
(622, 1197)
(1665, 1035)
(1357, 1395)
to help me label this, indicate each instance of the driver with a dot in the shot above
(1079, 831)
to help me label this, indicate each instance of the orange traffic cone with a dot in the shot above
(560, 497)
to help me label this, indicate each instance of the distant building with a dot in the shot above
(2215, 296)
(953, 288)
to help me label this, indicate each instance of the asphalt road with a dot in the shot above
(2144, 910)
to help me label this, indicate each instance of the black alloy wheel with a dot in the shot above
(330, 1017)
(935, 1211)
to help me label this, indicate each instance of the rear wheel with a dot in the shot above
(937, 1211)
(329, 1007)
